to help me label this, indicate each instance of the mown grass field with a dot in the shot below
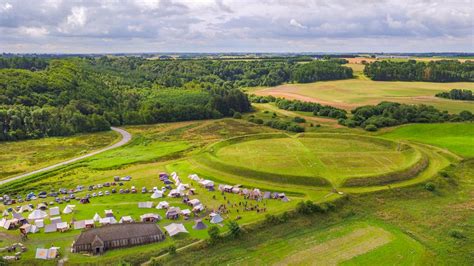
(351, 93)
(455, 137)
(24, 156)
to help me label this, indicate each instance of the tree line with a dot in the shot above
(387, 114)
(411, 70)
(58, 97)
(457, 94)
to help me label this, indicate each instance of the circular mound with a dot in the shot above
(314, 158)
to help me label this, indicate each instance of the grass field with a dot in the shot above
(24, 156)
(350, 93)
(332, 157)
(456, 137)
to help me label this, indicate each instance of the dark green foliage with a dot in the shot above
(430, 186)
(457, 94)
(237, 115)
(234, 229)
(30, 63)
(298, 119)
(316, 108)
(172, 250)
(214, 233)
(261, 99)
(370, 127)
(434, 71)
(308, 207)
(455, 233)
(320, 70)
(387, 114)
(283, 125)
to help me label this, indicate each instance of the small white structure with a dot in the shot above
(216, 218)
(29, 229)
(145, 205)
(162, 205)
(194, 177)
(186, 212)
(5, 213)
(96, 217)
(157, 194)
(194, 202)
(107, 220)
(198, 208)
(182, 187)
(37, 214)
(63, 226)
(79, 225)
(174, 229)
(174, 193)
(25, 208)
(109, 213)
(207, 183)
(56, 220)
(45, 254)
(68, 209)
(126, 219)
(39, 223)
(49, 228)
(54, 211)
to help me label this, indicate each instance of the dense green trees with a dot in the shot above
(386, 114)
(316, 108)
(320, 70)
(31, 63)
(457, 94)
(411, 70)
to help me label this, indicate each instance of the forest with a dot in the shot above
(386, 114)
(411, 70)
(457, 94)
(58, 97)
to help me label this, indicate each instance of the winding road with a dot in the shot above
(126, 137)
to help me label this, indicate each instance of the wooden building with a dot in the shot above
(99, 240)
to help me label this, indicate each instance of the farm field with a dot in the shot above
(351, 93)
(26, 156)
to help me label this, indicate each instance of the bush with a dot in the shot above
(172, 250)
(455, 233)
(298, 119)
(371, 128)
(444, 174)
(237, 115)
(430, 186)
(235, 230)
(214, 233)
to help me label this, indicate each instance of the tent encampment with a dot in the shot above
(37, 214)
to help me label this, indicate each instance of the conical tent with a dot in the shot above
(37, 214)
(199, 225)
(5, 213)
(67, 210)
(217, 219)
(96, 217)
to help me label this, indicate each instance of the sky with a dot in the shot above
(115, 26)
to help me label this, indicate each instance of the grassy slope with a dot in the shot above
(24, 156)
(351, 93)
(456, 137)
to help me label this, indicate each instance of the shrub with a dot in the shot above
(237, 115)
(455, 233)
(444, 174)
(235, 230)
(371, 128)
(430, 186)
(172, 250)
(214, 233)
(298, 119)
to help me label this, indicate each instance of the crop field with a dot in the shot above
(29, 155)
(351, 93)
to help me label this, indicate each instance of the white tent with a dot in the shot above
(43, 253)
(49, 228)
(194, 177)
(17, 216)
(7, 223)
(79, 224)
(25, 208)
(145, 205)
(216, 218)
(109, 213)
(174, 229)
(5, 213)
(206, 183)
(39, 223)
(37, 214)
(62, 226)
(198, 208)
(2, 222)
(108, 220)
(157, 194)
(126, 219)
(174, 193)
(182, 187)
(162, 205)
(55, 220)
(68, 209)
(28, 228)
(96, 217)
(54, 211)
(194, 202)
(34, 229)
(186, 212)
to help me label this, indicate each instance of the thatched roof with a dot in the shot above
(118, 231)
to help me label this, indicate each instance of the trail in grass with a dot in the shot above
(126, 137)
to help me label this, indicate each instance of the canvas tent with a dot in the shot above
(96, 217)
(79, 225)
(50, 228)
(216, 218)
(68, 209)
(2, 222)
(37, 214)
(62, 227)
(5, 213)
(39, 223)
(174, 229)
(25, 208)
(186, 212)
(194, 177)
(199, 225)
(162, 205)
(44, 253)
(145, 205)
(157, 194)
(109, 213)
(194, 202)
(150, 217)
(29, 229)
(285, 199)
(55, 220)
(54, 211)
(108, 220)
(126, 219)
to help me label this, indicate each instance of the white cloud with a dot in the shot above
(78, 17)
(295, 23)
(5, 7)
(34, 31)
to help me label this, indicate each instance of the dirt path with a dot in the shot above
(341, 249)
(126, 137)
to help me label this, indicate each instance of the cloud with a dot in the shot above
(295, 23)
(235, 25)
